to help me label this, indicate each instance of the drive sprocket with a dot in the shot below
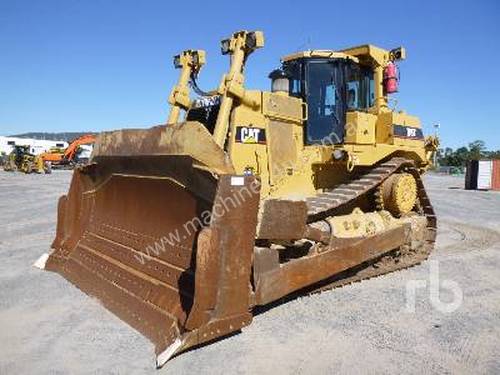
(397, 194)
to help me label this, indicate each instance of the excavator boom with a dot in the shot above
(70, 152)
(67, 156)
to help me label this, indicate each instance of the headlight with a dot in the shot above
(177, 62)
(338, 154)
(251, 40)
(225, 46)
(196, 58)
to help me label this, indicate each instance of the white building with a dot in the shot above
(37, 146)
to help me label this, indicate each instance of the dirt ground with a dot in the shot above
(49, 326)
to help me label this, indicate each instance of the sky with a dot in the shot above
(102, 65)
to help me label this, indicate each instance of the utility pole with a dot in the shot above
(436, 128)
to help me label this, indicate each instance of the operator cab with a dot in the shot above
(331, 83)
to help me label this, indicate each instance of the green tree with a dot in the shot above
(460, 156)
(476, 150)
(492, 154)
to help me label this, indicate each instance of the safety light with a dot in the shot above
(279, 81)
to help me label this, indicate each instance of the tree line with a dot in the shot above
(458, 158)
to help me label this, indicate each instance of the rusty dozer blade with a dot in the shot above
(150, 231)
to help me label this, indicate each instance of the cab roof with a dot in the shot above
(321, 53)
(361, 54)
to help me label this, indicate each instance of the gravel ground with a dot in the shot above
(49, 326)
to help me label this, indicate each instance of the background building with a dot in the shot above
(37, 146)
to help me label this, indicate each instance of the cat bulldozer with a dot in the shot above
(246, 197)
(20, 159)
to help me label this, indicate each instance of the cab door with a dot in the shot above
(326, 108)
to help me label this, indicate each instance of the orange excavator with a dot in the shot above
(68, 156)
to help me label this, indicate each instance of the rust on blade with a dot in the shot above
(172, 140)
(148, 236)
(124, 242)
(225, 266)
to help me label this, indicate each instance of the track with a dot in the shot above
(327, 203)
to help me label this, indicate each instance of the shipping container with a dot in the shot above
(495, 176)
(471, 175)
(482, 175)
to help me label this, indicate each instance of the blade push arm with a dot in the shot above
(189, 61)
(239, 47)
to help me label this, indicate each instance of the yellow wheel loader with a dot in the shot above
(183, 229)
(20, 159)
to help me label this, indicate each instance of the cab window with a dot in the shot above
(325, 124)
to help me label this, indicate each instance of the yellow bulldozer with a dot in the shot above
(184, 229)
